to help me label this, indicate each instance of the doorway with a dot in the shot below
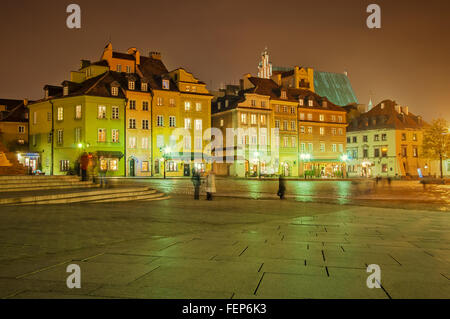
(187, 170)
(132, 167)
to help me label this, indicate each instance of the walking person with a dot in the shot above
(103, 169)
(281, 187)
(210, 185)
(84, 163)
(196, 182)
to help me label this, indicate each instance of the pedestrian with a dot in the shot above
(281, 187)
(103, 169)
(84, 163)
(196, 182)
(210, 185)
(389, 180)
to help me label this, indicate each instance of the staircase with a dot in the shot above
(39, 190)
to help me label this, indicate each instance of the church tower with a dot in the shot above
(265, 67)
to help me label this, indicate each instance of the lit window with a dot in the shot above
(132, 105)
(160, 120)
(302, 129)
(322, 147)
(77, 134)
(187, 123)
(145, 143)
(321, 117)
(187, 106)
(143, 86)
(132, 123)
(130, 85)
(198, 125)
(132, 142)
(310, 130)
(172, 102)
(115, 135)
(159, 101)
(333, 148)
(78, 112)
(322, 131)
(198, 106)
(114, 91)
(300, 102)
(101, 135)
(64, 165)
(293, 125)
(277, 123)
(60, 113)
(283, 94)
(165, 84)
(253, 118)
(172, 121)
(221, 122)
(310, 117)
(243, 118)
(310, 102)
(263, 119)
(145, 166)
(333, 131)
(113, 165)
(145, 124)
(145, 106)
(128, 69)
(119, 68)
(101, 112)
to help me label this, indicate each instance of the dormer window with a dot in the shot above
(188, 88)
(300, 102)
(226, 103)
(382, 105)
(219, 105)
(310, 102)
(46, 94)
(324, 104)
(283, 95)
(128, 69)
(130, 85)
(66, 91)
(143, 86)
(114, 91)
(119, 68)
(166, 84)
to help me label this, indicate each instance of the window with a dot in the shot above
(254, 140)
(187, 106)
(253, 119)
(333, 131)
(172, 102)
(277, 123)
(384, 151)
(310, 103)
(159, 101)
(219, 105)
(119, 68)
(322, 131)
(60, 115)
(277, 108)
(333, 118)
(310, 147)
(172, 121)
(376, 137)
(302, 116)
(21, 129)
(384, 168)
(348, 140)
(293, 141)
(414, 137)
(101, 112)
(322, 147)
(376, 152)
(403, 136)
(383, 137)
(64, 165)
(333, 147)
(78, 112)
(194, 88)
(145, 166)
(144, 105)
(132, 105)
(128, 68)
(101, 135)
(341, 148)
(198, 125)
(340, 118)
(283, 95)
(114, 91)
(115, 112)
(165, 84)
(131, 85)
(188, 88)
(113, 164)
(187, 142)
(253, 102)
(49, 117)
(198, 106)
(243, 118)
(355, 139)
(187, 123)
(263, 103)
(415, 152)
(34, 117)
(159, 141)
(143, 86)
(365, 153)
(302, 129)
(286, 141)
(77, 134)
(285, 109)
(145, 124)
(144, 143)
(300, 102)
(171, 166)
(310, 117)
(115, 135)
(263, 120)
(293, 125)
(66, 90)
(292, 110)
(132, 142)
(341, 131)
(321, 117)
(310, 130)
(60, 137)
(160, 120)
(221, 122)
(132, 123)
(404, 151)
(302, 147)
(365, 138)
(285, 125)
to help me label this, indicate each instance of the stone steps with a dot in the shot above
(45, 186)
(105, 195)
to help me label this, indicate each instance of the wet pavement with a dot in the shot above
(232, 247)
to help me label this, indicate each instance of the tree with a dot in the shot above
(436, 141)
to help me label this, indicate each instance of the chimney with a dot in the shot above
(155, 55)
(397, 108)
(405, 110)
(25, 102)
(296, 79)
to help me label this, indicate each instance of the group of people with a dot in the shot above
(89, 166)
(210, 185)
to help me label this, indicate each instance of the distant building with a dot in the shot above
(14, 124)
(336, 87)
(386, 141)
(310, 131)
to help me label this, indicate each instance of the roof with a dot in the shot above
(335, 86)
(387, 114)
(15, 111)
(124, 56)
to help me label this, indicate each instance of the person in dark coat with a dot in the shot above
(84, 163)
(281, 187)
(196, 182)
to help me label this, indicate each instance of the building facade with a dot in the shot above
(386, 142)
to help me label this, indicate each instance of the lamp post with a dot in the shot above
(165, 151)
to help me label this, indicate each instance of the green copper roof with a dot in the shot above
(335, 86)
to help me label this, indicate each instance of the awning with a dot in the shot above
(110, 154)
(187, 156)
(325, 160)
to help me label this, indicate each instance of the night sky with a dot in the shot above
(407, 60)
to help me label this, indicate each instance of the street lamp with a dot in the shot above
(165, 151)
